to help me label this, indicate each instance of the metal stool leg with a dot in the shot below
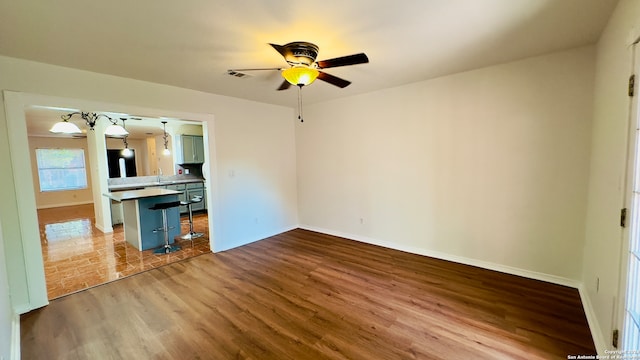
(192, 234)
(166, 248)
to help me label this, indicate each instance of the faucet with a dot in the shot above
(159, 174)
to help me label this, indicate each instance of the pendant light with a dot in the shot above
(65, 127)
(166, 151)
(116, 130)
(126, 152)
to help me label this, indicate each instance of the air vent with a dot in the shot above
(237, 73)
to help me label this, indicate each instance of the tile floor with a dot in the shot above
(78, 256)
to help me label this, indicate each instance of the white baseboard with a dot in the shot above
(596, 331)
(454, 258)
(64, 204)
(103, 229)
(15, 338)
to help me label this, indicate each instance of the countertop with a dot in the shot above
(139, 185)
(138, 194)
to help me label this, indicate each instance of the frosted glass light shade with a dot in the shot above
(65, 127)
(115, 130)
(166, 152)
(300, 75)
(126, 152)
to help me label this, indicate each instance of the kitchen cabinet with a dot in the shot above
(197, 189)
(192, 149)
(116, 213)
(181, 197)
(190, 190)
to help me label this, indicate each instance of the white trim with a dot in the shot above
(64, 204)
(106, 230)
(449, 257)
(36, 286)
(14, 351)
(630, 176)
(592, 319)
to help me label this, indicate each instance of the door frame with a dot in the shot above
(631, 170)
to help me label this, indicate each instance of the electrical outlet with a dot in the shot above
(361, 220)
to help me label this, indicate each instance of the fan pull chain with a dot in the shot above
(300, 103)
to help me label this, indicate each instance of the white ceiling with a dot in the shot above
(192, 43)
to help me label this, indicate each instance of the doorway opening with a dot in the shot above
(631, 248)
(34, 295)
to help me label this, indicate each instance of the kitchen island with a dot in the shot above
(140, 221)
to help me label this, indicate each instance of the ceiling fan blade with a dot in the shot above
(284, 86)
(253, 69)
(279, 48)
(333, 80)
(343, 61)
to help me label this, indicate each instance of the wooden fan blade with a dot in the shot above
(343, 61)
(284, 86)
(253, 69)
(333, 80)
(279, 48)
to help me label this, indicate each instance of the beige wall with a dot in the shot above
(59, 198)
(604, 237)
(253, 177)
(487, 167)
(165, 163)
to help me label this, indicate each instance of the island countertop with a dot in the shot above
(139, 194)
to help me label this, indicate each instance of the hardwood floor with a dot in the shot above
(78, 256)
(304, 295)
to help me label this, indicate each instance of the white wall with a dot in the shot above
(487, 167)
(253, 175)
(606, 194)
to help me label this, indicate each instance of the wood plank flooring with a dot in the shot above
(304, 295)
(78, 256)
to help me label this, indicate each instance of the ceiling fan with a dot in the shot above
(304, 69)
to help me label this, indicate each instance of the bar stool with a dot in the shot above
(192, 234)
(166, 248)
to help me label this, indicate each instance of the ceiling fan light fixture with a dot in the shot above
(65, 127)
(300, 75)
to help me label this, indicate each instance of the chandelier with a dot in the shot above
(91, 118)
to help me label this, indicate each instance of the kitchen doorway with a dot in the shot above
(29, 262)
(78, 256)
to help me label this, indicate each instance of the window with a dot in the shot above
(61, 169)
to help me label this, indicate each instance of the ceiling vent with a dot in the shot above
(237, 73)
